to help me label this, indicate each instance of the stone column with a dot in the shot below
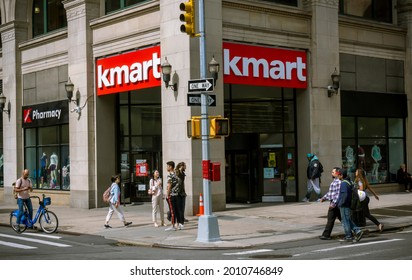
(83, 190)
(12, 33)
(404, 8)
(182, 53)
(319, 125)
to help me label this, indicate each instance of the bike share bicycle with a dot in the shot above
(47, 219)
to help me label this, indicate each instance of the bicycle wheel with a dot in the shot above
(48, 221)
(19, 228)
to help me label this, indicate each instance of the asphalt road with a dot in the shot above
(35, 245)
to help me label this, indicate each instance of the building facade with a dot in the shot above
(276, 61)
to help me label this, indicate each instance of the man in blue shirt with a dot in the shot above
(344, 203)
(333, 210)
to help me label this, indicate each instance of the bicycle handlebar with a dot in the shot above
(35, 196)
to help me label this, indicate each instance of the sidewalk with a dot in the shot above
(240, 226)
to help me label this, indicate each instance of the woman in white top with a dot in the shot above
(156, 191)
(362, 184)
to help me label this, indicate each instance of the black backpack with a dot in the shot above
(355, 202)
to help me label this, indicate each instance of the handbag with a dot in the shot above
(150, 191)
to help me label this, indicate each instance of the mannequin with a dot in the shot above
(43, 172)
(54, 160)
(349, 157)
(376, 155)
(361, 157)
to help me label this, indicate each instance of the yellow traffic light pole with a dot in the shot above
(208, 229)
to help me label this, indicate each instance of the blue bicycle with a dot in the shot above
(47, 219)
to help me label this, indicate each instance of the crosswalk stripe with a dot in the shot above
(248, 252)
(16, 245)
(35, 240)
(42, 235)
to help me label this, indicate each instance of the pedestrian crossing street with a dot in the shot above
(30, 241)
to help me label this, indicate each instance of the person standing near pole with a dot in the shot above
(314, 171)
(171, 183)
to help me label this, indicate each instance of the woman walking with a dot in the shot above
(362, 184)
(114, 204)
(156, 191)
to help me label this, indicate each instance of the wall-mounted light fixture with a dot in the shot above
(69, 86)
(214, 69)
(167, 71)
(3, 100)
(333, 89)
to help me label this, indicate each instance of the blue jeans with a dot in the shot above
(21, 202)
(348, 225)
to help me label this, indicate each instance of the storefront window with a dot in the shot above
(48, 15)
(140, 139)
(379, 10)
(378, 147)
(114, 5)
(47, 156)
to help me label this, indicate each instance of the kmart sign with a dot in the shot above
(264, 66)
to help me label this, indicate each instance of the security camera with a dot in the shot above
(331, 88)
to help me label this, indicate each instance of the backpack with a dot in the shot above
(14, 191)
(107, 194)
(320, 168)
(355, 202)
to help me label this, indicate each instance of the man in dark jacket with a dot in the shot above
(314, 171)
(344, 203)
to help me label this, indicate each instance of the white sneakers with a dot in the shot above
(173, 228)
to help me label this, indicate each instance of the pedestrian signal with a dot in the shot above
(219, 127)
(193, 128)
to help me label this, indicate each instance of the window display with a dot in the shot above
(379, 146)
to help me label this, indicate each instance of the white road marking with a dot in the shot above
(248, 252)
(346, 246)
(35, 240)
(42, 235)
(16, 245)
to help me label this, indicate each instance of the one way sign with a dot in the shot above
(202, 85)
(195, 100)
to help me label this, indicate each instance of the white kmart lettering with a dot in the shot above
(261, 67)
(137, 72)
(47, 114)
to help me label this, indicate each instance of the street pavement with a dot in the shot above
(240, 225)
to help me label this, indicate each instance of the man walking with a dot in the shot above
(313, 172)
(333, 210)
(344, 203)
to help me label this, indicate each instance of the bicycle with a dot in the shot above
(47, 219)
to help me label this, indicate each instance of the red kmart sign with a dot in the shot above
(264, 66)
(242, 64)
(129, 71)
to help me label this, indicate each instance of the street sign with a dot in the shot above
(201, 85)
(195, 100)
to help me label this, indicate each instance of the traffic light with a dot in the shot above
(193, 127)
(188, 17)
(219, 127)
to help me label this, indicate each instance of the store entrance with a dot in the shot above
(273, 175)
(241, 179)
(135, 184)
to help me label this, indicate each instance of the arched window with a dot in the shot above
(48, 15)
